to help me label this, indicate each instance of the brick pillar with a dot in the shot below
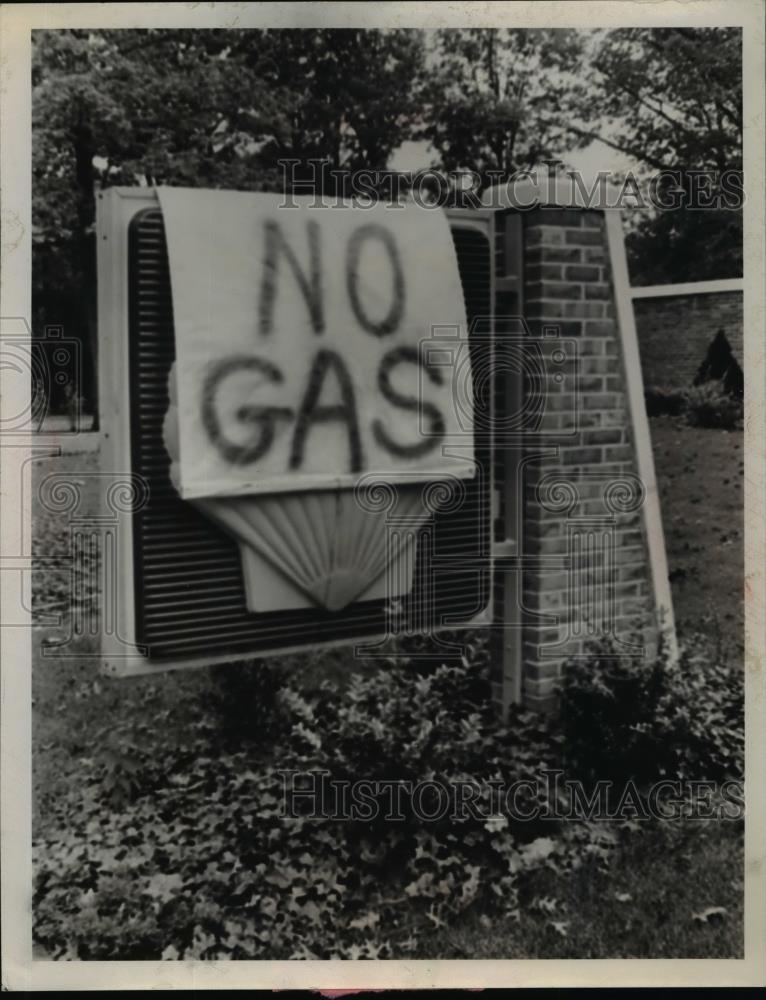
(581, 556)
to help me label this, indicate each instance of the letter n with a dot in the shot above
(276, 246)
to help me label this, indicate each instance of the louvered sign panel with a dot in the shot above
(182, 596)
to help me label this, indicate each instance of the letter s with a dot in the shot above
(394, 357)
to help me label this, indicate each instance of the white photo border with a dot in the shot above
(19, 970)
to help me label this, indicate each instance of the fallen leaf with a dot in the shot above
(365, 922)
(560, 926)
(538, 850)
(435, 919)
(546, 904)
(712, 915)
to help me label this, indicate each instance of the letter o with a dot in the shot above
(418, 803)
(394, 317)
(420, 189)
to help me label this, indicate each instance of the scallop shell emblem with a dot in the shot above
(326, 548)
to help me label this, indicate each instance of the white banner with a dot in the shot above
(302, 338)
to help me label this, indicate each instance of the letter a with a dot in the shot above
(312, 412)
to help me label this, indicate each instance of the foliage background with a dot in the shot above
(220, 108)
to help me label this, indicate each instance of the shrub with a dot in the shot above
(245, 698)
(704, 405)
(663, 402)
(204, 864)
(625, 718)
(609, 707)
(708, 405)
(187, 851)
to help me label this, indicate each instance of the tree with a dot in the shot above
(671, 98)
(202, 108)
(488, 97)
(502, 100)
(354, 93)
(126, 107)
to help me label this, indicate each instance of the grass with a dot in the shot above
(642, 907)
(700, 475)
(660, 877)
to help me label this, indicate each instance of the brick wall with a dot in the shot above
(674, 333)
(581, 554)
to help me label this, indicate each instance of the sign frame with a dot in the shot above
(121, 654)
